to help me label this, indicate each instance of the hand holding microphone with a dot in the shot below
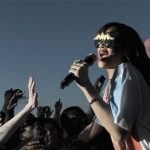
(90, 59)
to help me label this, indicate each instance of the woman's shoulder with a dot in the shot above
(126, 71)
(127, 68)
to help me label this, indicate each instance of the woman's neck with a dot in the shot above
(110, 73)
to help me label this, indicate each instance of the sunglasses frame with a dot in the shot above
(105, 43)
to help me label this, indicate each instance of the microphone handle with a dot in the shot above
(71, 77)
(68, 79)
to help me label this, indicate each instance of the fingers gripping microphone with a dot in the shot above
(90, 59)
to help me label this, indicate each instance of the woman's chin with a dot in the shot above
(101, 64)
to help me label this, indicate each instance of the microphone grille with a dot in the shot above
(90, 59)
(93, 56)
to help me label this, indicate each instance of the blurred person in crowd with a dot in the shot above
(31, 134)
(53, 134)
(11, 98)
(73, 121)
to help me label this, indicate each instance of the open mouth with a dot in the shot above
(102, 55)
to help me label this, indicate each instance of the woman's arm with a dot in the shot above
(103, 113)
(100, 108)
(90, 132)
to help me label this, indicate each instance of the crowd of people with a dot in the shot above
(119, 115)
(46, 129)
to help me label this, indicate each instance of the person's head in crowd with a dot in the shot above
(52, 132)
(74, 120)
(31, 129)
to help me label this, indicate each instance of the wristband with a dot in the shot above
(94, 100)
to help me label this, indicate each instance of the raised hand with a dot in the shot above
(80, 70)
(14, 99)
(32, 102)
(44, 111)
(58, 106)
(11, 98)
(48, 111)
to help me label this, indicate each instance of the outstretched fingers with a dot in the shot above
(32, 93)
(31, 84)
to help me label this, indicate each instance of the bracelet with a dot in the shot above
(94, 100)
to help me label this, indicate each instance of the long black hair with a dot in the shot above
(128, 39)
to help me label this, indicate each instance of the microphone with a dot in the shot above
(90, 59)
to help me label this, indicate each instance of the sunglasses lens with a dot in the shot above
(106, 43)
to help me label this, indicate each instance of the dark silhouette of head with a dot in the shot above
(74, 120)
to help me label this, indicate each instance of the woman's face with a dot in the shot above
(108, 58)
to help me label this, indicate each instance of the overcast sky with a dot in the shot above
(43, 37)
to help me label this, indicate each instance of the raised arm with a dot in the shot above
(7, 130)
